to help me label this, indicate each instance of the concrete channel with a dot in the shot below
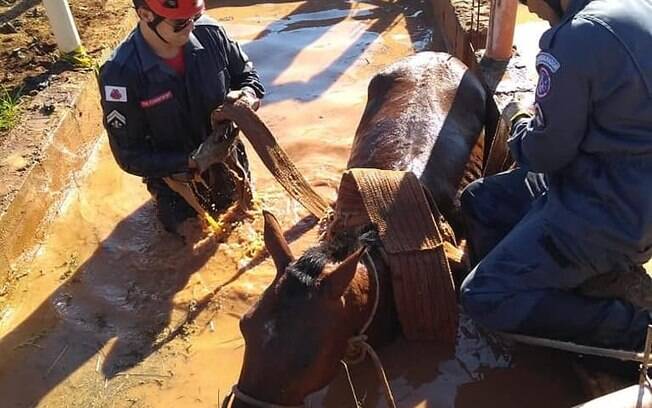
(92, 308)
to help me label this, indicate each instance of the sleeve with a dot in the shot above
(128, 132)
(550, 140)
(241, 68)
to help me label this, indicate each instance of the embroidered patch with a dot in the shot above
(545, 82)
(539, 118)
(115, 93)
(549, 61)
(116, 120)
(148, 103)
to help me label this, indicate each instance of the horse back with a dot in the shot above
(424, 114)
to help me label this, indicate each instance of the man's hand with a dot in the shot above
(246, 95)
(213, 150)
(514, 111)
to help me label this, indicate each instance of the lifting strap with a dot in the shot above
(408, 224)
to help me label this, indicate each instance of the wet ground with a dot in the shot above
(97, 320)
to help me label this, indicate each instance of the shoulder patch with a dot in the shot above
(545, 83)
(545, 59)
(115, 93)
(116, 120)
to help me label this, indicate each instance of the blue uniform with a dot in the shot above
(590, 210)
(155, 118)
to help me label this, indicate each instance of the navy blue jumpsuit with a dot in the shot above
(580, 203)
(155, 118)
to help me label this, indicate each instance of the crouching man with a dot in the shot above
(579, 205)
(158, 91)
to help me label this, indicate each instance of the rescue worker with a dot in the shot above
(579, 204)
(158, 91)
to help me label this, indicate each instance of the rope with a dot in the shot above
(358, 348)
(643, 378)
(358, 404)
(272, 155)
(381, 374)
(577, 348)
(372, 267)
(359, 343)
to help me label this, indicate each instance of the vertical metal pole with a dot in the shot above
(646, 358)
(63, 25)
(500, 35)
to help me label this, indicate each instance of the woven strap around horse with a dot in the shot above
(272, 155)
(407, 222)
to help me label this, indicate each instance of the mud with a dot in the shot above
(96, 317)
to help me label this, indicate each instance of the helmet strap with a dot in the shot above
(153, 25)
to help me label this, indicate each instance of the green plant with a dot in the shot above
(9, 108)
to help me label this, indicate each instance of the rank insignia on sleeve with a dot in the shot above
(116, 120)
(115, 93)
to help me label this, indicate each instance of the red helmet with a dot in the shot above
(176, 9)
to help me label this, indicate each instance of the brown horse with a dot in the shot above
(424, 114)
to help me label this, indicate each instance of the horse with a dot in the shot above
(424, 114)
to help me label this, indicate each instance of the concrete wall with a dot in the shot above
(63, 143)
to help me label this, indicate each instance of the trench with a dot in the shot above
(91, 320)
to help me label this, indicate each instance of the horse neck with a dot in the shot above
(361, 305)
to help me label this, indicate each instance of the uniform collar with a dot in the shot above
(575, 7)
(149, 59)
(147, 56)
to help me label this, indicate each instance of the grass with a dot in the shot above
(9, 108)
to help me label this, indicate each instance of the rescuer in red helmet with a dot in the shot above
(158, 90)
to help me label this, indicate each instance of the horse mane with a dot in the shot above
(302, 274)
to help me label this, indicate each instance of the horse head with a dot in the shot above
(297, 333)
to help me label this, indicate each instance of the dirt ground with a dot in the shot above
(28, 51)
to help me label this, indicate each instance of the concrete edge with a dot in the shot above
(63, 151)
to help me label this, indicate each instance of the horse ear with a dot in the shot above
(337, 280)
(276, 244)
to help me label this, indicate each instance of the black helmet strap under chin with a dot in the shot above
(154, 24)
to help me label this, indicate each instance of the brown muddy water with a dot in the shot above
(92, 322)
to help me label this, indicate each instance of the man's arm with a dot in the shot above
(241, 68)
(550, 140)
(129, 134)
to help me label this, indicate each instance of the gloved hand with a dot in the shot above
(246, 95)
(514, 111)
(213, 150)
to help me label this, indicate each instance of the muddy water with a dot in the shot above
(97, 317)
